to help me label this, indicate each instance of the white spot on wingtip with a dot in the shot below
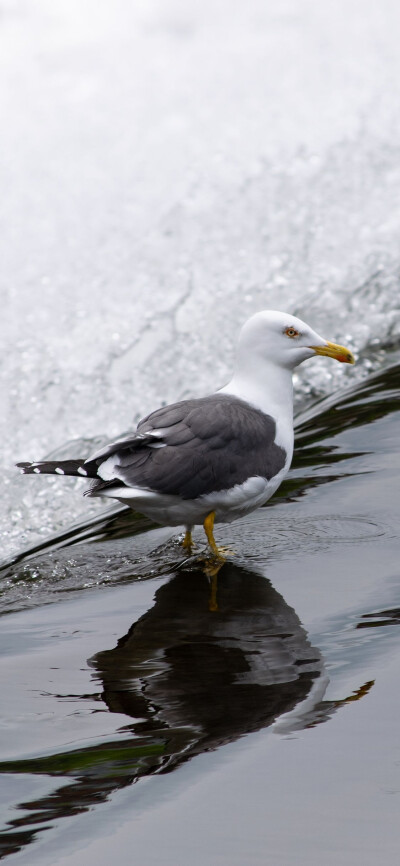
(35, 470)
(59, 471)
(81, 470)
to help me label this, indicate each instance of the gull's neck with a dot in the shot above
(267, 387)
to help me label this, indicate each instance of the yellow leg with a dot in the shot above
(208, 529)
(187, 542)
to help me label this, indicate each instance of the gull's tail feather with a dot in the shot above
(59, 467)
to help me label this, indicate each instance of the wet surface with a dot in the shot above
(169, 169)
(132, 703)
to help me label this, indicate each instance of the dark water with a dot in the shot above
(143, 725)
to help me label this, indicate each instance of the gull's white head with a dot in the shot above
(285, 341)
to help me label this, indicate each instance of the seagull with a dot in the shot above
(216, 458)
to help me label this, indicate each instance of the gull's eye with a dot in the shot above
(291, 332)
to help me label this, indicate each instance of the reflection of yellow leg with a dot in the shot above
(212, 568)
(363, 690)
(212, 602)
(187, 542)
(208, 529)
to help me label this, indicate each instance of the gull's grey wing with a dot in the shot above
(196, 447)
(132, 441)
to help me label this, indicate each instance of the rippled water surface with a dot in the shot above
(169, 168)
(263, 706)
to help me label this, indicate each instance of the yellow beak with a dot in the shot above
(332, 350)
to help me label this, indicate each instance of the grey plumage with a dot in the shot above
(209, 444)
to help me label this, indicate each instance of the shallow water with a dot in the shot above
(169, 168)
(271, 721)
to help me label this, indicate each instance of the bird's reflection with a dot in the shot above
(218, 675)
(190, 680)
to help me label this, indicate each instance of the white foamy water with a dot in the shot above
(168, 168)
